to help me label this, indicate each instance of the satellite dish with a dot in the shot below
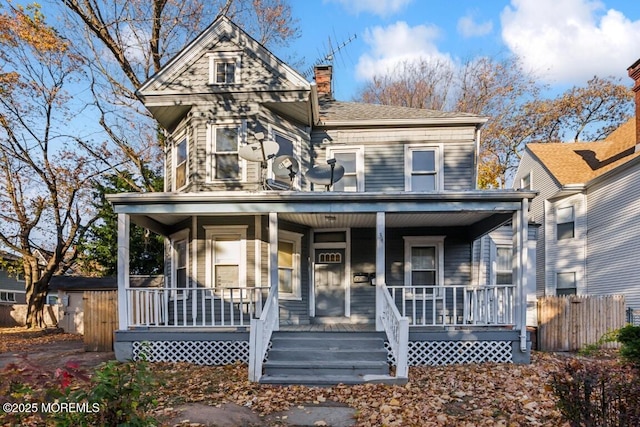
(259, 151)
(285, 166)
(326, 174)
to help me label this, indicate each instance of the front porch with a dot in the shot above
(363, 272)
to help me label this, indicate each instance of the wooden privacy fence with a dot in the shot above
(571, 322)
(100, 319)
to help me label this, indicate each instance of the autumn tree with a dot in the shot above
(127, 41)
(43, 177)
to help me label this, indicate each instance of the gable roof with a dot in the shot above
(333, 112)
(581, 162)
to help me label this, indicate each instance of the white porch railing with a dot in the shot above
(456, 305)
(260, 335)
(192, 307)
(397, 329)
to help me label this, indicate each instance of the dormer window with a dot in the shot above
(224, 68)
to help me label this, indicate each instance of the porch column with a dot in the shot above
(380, 266)
(273, 261)
(520, 237)
(123, 270)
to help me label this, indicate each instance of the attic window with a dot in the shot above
(224, 68)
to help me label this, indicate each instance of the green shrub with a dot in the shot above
(629, 336)
(596, 395)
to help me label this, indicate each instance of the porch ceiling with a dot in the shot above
(392, 220)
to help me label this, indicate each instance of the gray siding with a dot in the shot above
(614, 236)
(363, 260)
(384, 153)
(546, 186)
(297, 311)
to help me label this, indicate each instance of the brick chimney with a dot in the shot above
(634, 73)
(323, 76)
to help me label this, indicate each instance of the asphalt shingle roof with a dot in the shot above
(580, 162)
(331, 110)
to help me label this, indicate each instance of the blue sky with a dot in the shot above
(564, 42)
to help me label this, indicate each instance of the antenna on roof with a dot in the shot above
(328, 57)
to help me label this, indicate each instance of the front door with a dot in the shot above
(329, 281)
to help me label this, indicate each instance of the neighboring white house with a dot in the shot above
(268, 251)
(589, 210)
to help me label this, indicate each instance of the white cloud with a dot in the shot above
(469, 28)
(397, 43)
(376, 7)
(570, 41)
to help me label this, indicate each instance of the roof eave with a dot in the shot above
(457, 121)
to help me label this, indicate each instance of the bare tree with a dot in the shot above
(127, 41)
(43, 179)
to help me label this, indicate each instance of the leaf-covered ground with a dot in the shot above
(486, 394)
(20, 339)
(466, 395)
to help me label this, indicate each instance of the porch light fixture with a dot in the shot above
(330, 218)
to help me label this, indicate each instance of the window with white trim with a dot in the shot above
(289, 244)
(181, 166)
(287, 147)
(224, 68)
(525, 182)
(6, 296)
(422, 168)
(179, 262)
(352, 159)
(424, 260)
(226, 257)
(565, 223)
(566, 283)
(504, 265)
(225, 164)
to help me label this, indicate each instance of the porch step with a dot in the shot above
(326, 358)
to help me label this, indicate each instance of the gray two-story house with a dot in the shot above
(316, 240)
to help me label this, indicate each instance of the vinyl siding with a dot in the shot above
(566, 255)
(546, 186)
(296, 311)
(385, 153)
(363, 260)
(614, 237)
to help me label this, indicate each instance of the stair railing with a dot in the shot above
(260, 335)
(397, 330)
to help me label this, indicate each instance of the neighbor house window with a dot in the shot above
(289, 264)
(525, 182)
(225, 162)
(503, 266)
(6, 296)
(566, 283)
(179, 262)
(180, 159)
(565, 223)
(352, 159)
(422, 168)
(424, 261)
(224, 68)
(226, 257)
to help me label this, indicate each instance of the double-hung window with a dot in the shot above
(226, 248)
(504, 265)
(424, 261)
(565, 223)
(180, 163)
(179, 262)
(225, 163)
(352, 159)
(566, 283)
(6, 296)
(423, 169)
(289, 265)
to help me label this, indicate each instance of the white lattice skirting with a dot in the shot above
(197, 352)
(453, 352)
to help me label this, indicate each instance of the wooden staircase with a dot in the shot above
(326, 358)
